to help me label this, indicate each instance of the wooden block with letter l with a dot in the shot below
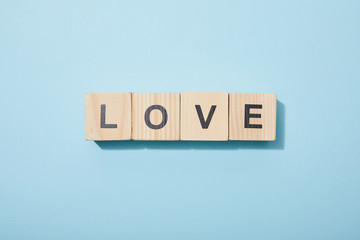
(108, 116)
(156, 116)
(252, 116)
(204, 116)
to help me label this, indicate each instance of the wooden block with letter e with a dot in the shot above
(252, 116)
(108, 116)
(204, 116)
(156, 116)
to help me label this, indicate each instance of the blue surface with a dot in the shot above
(55, 185)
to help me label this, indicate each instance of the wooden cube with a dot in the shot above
(108, 116)
(156, 116)
(252, 116)
(204, 116)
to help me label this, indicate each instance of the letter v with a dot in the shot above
(205, 124)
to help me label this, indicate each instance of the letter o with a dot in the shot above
(164, 117)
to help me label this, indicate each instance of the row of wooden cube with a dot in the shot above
(189, 116)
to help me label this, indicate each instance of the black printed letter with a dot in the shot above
(248, 116)
(164, 117)
(102, 118)
(205, 124)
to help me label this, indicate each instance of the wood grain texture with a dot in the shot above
(141, 102)
(267, 120)
(118, 111)
(191, 127)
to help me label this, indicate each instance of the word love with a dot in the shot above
(189, 116)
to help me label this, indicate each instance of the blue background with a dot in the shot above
(56, 185)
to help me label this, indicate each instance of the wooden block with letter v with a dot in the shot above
(108, 116)
(252, 116)
(204, 116)
(156, 116)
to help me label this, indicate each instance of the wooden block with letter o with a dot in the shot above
(204, 116)
(108, 116)
(252, 116)
(156, 116)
